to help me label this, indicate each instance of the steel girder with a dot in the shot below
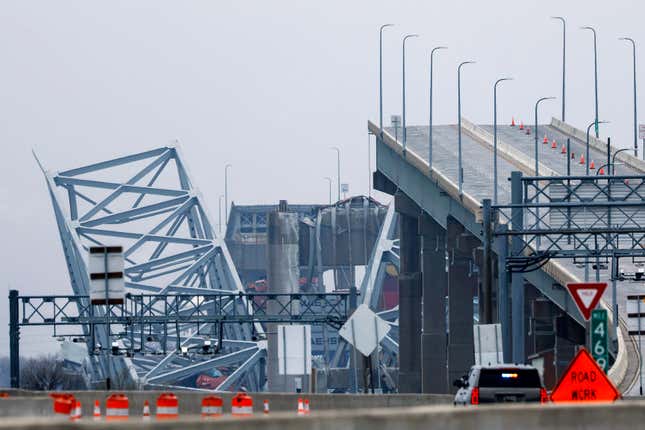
(147, 203)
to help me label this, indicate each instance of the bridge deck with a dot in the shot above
(477, 159)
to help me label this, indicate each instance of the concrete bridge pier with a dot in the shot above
(410, 295)
(434, 338)
(463, 284)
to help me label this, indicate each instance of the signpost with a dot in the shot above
(396, 123)
(599, 343)
(344, 188)
(364, 330)
(106, 275)
(488, 344)
(586, 295)
(584, 381)
(294, 349)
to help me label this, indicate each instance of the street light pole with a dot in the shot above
(405, 38)
(460, 172)
(587, 150)
(369, 166)
(495, 137)
(430, 127)
(221, 196)
(595, 66)
(612, 168)
(537, 164)
(329, 180)
(228, 166)
(380, 77)
(629, 39)
(335, 148)
(564, 57)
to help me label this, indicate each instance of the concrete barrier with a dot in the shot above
(618, 416)
(599, 144)
(26, 407)
(190, 402)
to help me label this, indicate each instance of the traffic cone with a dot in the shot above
(513, 122)
(554, 145)
(564, 149)
(266, 407)
(592, 166)
(521, 126)
(545, 140)
(528, 130)
(306, 406)
(582, 159)
(601, 171)
(301, 407)
(97, 411)
(76, 412)
(146, 411)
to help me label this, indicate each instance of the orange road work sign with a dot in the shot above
(584, 381)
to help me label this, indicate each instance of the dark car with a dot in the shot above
(501, 383)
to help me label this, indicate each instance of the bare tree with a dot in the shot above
(4, 372)
(47, 372)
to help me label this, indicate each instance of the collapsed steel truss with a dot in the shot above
(147, 203)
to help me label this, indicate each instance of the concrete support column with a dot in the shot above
(434, 375)
(283, 275)
(462, 286)
(409, 296)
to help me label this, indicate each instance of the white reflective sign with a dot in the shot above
(488, 344)
(364, 330)
(294, 349)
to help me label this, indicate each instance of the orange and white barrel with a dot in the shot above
(117, 407)
(266, 406)
(212, 406)
(167, 406)
(63, 403)
(242, 405)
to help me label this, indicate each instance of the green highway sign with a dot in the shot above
(599, 342)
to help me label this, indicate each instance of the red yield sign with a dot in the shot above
(584, 381)
(586, 295)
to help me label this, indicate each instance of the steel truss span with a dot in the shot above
(147, 203)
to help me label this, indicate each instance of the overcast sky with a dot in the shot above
(267, 86)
